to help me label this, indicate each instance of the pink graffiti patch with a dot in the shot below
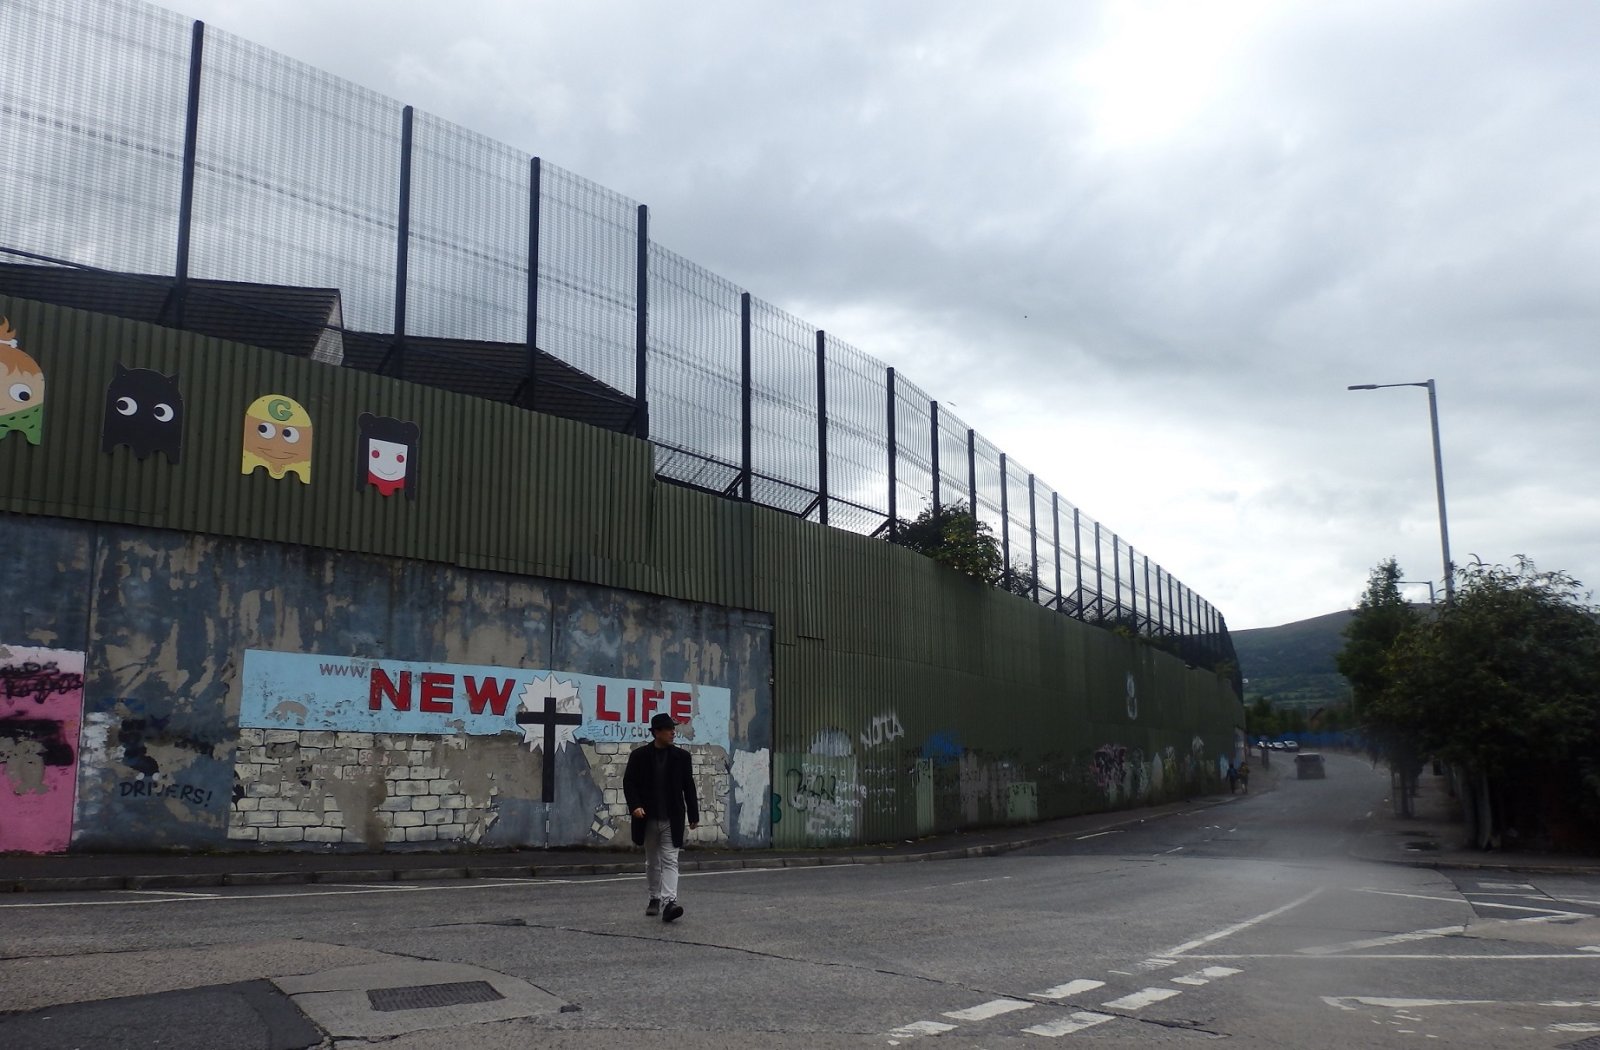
(41, 710)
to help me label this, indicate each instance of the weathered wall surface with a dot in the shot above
(171, 623)
(870, 694)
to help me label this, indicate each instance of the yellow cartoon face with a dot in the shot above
(21, 388)
(277, 436)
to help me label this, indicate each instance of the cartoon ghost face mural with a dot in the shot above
(145, 412)
(386, 454)
(21, 388)
(277, 436)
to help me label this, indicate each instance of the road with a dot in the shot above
(1244, 918)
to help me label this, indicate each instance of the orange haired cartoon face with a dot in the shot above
(21, 388)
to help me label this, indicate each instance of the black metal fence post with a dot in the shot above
(933, 410)
(822, 427)
(1055, 518)
(641, 325)
(1147, 603)
(397, 349)
(1033, 539)
(1099, 577)
(1133, 590)
(1005, 527)
(179, 297)
(972, 472)
(746, 383)
(1077, 556)
(893, 493)
(529, 395)
(1116, 578)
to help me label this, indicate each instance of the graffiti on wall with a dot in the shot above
(41, 709)
(309, 691)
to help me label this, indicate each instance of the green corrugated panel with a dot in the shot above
(496, 486)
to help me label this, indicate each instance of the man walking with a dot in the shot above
(658, 786)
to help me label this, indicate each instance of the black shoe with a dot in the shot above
(654, 907)
(671, 911)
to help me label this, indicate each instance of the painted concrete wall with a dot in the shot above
(215, 683)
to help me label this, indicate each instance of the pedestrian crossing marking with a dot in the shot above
(1066, 1026)
(1071, 988)
(1141, 999)
(993, 1008)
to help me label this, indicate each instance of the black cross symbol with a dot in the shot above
(549, 718)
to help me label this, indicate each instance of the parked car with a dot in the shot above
(1308, 766)
(1291, 745)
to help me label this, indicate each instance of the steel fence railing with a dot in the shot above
(162, 152)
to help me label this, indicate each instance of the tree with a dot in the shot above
(953, 537)
(1504, 684)
(1380, 617)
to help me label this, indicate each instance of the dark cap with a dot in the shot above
(662, 722)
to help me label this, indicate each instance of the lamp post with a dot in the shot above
(1432, 596)
(1438, 477)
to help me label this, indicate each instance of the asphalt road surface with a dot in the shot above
(1243, 919)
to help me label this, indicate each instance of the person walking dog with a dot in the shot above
(658, 786)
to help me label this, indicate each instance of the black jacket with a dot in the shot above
(682, 804)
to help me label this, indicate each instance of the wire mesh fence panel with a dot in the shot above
(297, 180)
(588, 277)
(1016, 506)
(954, 484)
(1088, 568)
(468, 254)
(913, 430)
(694, 369)
(986, 461)
(92, 103)
(1050, 583)
(1127, 584)
(783, 410)
(858, 445)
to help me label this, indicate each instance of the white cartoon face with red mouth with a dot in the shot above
(386, 461)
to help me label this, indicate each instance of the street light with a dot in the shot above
(1438, 477)
(1432, 597)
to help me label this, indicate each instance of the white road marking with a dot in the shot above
(1342, 1001)
(1576, 1026)
(1590, 948)
(1153, 964)
(1071, 988)
(992, 1008)
(171, 893)
(916, 1028)
(1379, 942)
(1172, 850)
(1394, 955)
(1096, 835)
(1141, 999)
(1206, 976)
(355, 890)
(1073, 1023)
(1229, 931)
(1564, 1002)
(1446, 931)
(1505, 886)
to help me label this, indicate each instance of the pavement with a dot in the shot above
(1433, 838)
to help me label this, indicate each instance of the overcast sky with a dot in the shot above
(1142, 247)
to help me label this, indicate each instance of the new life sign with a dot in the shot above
(312, 691)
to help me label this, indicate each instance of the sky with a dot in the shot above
(1143, 247)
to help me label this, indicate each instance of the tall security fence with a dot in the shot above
(224, 186)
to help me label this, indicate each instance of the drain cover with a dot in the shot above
(429, 996)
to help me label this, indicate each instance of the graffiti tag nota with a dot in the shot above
(315, 691)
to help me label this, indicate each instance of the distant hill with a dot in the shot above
(1293, 663)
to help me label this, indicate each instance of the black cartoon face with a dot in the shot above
(386, 455)
(145, 412)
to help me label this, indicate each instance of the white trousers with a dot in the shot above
(661, 860)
